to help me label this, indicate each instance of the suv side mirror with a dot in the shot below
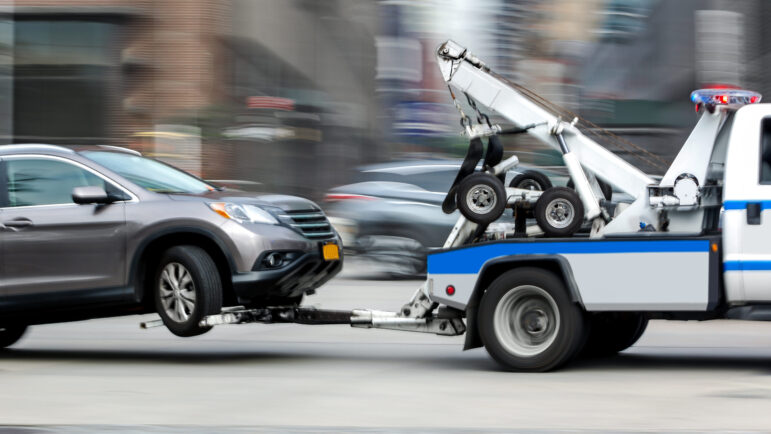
(90, 194)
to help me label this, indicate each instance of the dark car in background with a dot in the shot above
(392, 212)
(102, 231)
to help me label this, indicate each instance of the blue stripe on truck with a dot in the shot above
(747, 265)
(469, 260)
(731, 205)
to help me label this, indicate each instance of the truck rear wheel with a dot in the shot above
(10, 334)
(527, 321)
(613, 332)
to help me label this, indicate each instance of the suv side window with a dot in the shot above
(42, 181)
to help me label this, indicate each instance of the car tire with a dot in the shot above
(528, 322)
(559, 212)
(11, 334)
(607, 190)
(531, 180)
(481, 198)
(187, 288)
(612, 333)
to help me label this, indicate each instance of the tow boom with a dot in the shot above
(468, 74)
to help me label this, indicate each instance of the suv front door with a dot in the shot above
(55, 252)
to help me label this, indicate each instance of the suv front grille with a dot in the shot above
(312, 223)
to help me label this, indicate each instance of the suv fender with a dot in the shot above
(169, 236)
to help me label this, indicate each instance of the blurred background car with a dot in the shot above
(392, 212)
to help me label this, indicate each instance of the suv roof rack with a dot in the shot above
(120, 149)
(34, 147)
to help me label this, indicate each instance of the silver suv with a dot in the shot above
(102, 231)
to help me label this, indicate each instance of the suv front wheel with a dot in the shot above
(187, 288)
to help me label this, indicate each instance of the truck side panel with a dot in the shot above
(617, 275)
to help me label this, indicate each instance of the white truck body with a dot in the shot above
(644, 272)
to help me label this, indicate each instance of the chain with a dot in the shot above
(480, 116)
(635, 151)
(464, 120)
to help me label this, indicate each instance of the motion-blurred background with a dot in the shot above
(292, 95)
(341, 101)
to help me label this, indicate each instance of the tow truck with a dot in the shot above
(693, 245)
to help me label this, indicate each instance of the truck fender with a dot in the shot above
(495, 267)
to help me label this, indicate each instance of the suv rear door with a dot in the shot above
(55, 252)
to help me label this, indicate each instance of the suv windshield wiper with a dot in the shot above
(170, 191)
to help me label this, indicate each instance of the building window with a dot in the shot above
(62, 80)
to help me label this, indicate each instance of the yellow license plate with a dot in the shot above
(331, 252)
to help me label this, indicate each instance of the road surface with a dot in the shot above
(102, 375)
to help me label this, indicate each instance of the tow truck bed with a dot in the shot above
(631, 273)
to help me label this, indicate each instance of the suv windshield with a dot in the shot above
(149, 174)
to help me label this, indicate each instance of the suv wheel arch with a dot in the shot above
(148, 254)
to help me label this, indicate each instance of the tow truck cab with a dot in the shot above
(745, 147)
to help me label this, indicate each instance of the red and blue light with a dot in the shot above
(716, 97)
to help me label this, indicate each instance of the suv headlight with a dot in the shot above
(243, 213)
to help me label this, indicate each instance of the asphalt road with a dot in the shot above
(108, 375)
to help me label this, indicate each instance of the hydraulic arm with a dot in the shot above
(468, 74)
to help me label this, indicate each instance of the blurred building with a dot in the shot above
(291, 95)
(320, 57)
(650, 55)
(111, 71)
(272, 93)
(96, 71)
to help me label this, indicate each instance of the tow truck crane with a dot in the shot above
(693, 246)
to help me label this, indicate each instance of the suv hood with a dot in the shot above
(285, 202)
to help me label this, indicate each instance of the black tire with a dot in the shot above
(481, 198)
(206, 288)
(11, 334)
(607, 190)
(559, 212)
(531, 180)
(613, 332)
(557, 325)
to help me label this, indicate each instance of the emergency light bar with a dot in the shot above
(724, 96)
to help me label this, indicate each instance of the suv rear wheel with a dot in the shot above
(11, 334)
(187, 288)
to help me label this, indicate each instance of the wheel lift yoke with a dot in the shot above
(418, 316)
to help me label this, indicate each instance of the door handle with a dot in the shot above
(17, 224)
(753, 213)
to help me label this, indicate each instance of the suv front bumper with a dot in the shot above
(306, 272)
